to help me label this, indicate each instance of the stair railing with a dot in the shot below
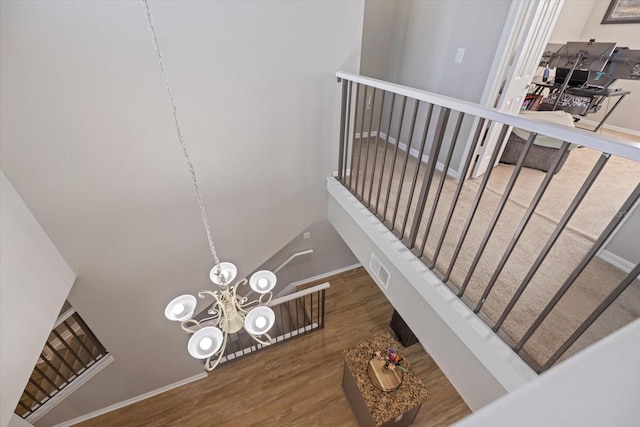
(399, 143)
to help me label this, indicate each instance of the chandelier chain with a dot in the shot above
(192, 171)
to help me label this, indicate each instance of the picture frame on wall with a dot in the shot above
(622, 12)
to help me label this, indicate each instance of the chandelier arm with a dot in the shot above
(190, 330)
(207, 366)
(185, 151)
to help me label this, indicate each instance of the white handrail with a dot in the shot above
(607, 144)
(288, 260)
(295, 295)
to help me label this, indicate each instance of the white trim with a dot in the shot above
(296, 295)
(288, 260)
(73, 386)
(318, 277)
(612, 127)
(455, 174)
(64, 316)
(609, 144)
(616, 261)
(131, 401)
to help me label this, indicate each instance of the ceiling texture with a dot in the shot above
(88, 141)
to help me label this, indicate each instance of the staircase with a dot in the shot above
(70, 350)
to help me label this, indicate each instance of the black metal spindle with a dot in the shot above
(46, 378)
(56, 370)
(523, 224)
(633, 275)
(375, 154)
(386, 146)
(395, 155)
(474, 207)
(573, 206)
(70, 349)
(604, 236)
(59, 356)
(443, 178)
(456, 196)
(35, 400)
(80, 341)
(89, 333)
(441, 125)
(416, 172)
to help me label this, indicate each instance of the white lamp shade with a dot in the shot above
(205, 342)
(181, 308)
(262, 281)
(259, 320)
(227, 270)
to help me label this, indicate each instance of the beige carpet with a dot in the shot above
(614, 184)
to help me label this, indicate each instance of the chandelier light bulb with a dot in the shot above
(263, 283)
(205, 343)
(261, 322)
(178, 309)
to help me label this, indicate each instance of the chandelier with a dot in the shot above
(229, 313)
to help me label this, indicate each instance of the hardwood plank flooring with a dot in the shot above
(298, 383)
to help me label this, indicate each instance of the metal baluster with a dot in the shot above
(386, 146)
(443, 178)
(353, 145)
(375, 155)
(70, 349)
(27, 408)
(443, 118)
(64, 379)
(59, 356)
(46, 378)
(89, 333)
(366, 162)
(346, 137)
(628, 204)
(593, 316)
(595, 171)
(523, 224)
(343, 109)
(35, 400)
(82, 344)
(416, 172)
(454, 202)
(364, 111)
(476, 202)
(395, 155)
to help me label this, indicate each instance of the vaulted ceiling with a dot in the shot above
(88, 141)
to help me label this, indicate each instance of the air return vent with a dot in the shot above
(380, 272)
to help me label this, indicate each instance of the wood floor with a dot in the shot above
(299, 382)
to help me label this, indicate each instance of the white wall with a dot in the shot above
(622, 249)
(330, 253)
(377, 35)
(88, 141)
(572, 19)
(34, 283)
(479, 364)
(16, 421)
(598, 387)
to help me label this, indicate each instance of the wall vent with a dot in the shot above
(380, 272)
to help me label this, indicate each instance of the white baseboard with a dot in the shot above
(290, 286)
(616, 261)
(132, 400)
(455, 174)
(73, 386)
(606, 126)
